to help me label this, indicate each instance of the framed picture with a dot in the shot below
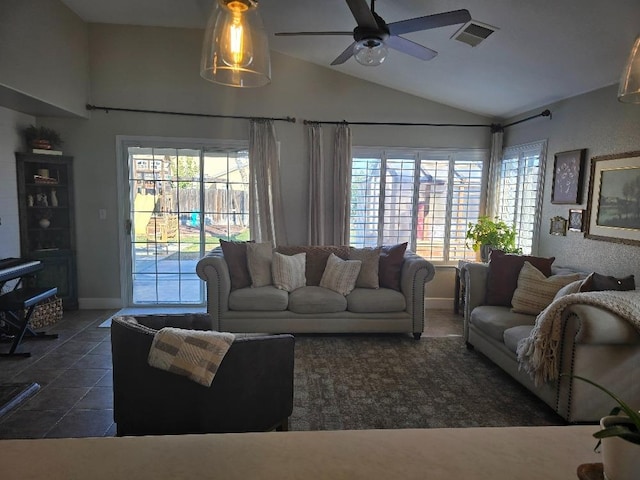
(576, 218)
(613, 206)
(558, 226)
(567, 176)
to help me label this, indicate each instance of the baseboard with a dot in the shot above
(438, 303)
(99, 303)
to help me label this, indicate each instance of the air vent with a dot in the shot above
(473, 33)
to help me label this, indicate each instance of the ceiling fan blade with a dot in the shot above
(363, 14)
(293, 34)
(430, 21)
(344, 56)
(410, 48)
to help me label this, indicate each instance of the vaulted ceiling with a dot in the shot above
(541, 52)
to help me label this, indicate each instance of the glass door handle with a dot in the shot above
(127, 226)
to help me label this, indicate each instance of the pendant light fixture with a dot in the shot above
(235, 50)
(629, 90)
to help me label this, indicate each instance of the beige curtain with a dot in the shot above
(492, 174)
(266, 215)
(341, 184)
(316, 234)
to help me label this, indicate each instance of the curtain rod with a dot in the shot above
(208, 115)
(495, 127)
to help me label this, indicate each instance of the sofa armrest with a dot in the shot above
(416, 272)
(213, 269)
(599, 326)
(475, 289)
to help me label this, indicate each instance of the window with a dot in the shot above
(519, 191)
(425, 197)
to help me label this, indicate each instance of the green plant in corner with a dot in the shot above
(627, 431)
(492, 232)
(41, 137)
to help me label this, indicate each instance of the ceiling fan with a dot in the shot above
(373, 36)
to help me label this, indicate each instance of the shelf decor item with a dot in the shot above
(567, 176)
(614, 189)
(41, 138)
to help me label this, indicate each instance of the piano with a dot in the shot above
(18, 303)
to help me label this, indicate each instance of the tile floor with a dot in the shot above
(74, 373)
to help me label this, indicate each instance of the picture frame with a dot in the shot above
(576, 220)
(568, 173)
(614, 212)
(558, 226)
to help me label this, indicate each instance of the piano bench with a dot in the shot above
(23, 300)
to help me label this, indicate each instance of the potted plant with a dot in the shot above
(41, 137)
(620, 437)
(488, 233)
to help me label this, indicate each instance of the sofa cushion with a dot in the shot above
(502, 277)
(370, 258)
(390, 266)
(513, 335)
(235, 254)
(382, 300)
(259, 263)
(573, 287)
(597, 283)
(288, 271)
(494, 320)
(536, 291)
(268, 298)
(340, 275)
(316, 300)
(316, 259)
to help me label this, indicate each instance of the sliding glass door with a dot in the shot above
(181, 202)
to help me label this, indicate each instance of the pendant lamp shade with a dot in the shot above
(235, 50)
(629, 90)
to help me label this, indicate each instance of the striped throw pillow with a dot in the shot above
(340, 275)
(535, 291)
(288, 271)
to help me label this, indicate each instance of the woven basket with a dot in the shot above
(46, 313)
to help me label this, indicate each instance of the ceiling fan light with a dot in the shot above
(370, 52)
(235, 50)
(629, 90)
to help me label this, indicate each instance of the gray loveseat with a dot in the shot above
(314, 309)
(595, 343)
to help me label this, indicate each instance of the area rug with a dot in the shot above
(13, 394)
(393, 381)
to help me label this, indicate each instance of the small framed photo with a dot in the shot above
(567, 177)
(558, 226)
(576, 219)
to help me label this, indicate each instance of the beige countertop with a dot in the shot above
(536, 453)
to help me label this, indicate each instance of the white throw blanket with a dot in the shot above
(196, 354)
(538, 353)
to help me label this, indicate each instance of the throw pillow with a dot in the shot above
(340, 275)
(597, 283)
(370, 258)
(573, 287)
(536, 291)
(235, 254)
(502, 277)
(259, 263)
(317, 256)
(288, 271)
(390, 266)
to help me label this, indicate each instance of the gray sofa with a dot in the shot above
(596, 344)
(314, 309)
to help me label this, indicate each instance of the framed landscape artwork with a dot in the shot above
(567, 177)
(614, 198)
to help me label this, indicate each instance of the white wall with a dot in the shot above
(598, 122)
(11, 124)
(158, 68)
(44, 61)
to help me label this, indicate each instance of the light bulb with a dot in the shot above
(237, 47)
(370, 52)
